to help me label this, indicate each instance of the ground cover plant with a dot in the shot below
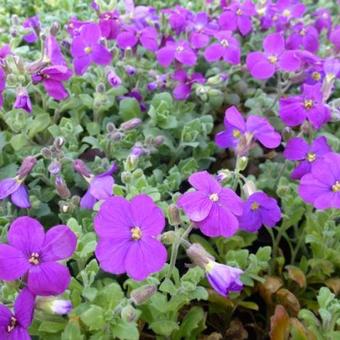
(169, 169)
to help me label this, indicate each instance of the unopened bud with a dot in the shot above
(131, 124)
(59, 142)
(100, 88)
(46, 153)
(80, 167)
(130, 70)
(26, 166)
(249, 188)
(61, 187)
(113, 79)
(54, 305)
(168, 237)
(55, 28)
(128, 313)
(110, 127)
(159, 140)
(54, 168)
(242, 163)
(142, 294)
(198, 255)
(174, 218)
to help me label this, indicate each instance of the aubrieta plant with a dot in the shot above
(169, 169)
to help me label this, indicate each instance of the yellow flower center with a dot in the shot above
(316, 76)
(303, 32)
(136, 233)
(272, 59)
(236, 133)
(224, 43)
(286, 13)
(311, 157)
(254, 206)
(239, 12)
(88, 50)
(34, 259)
(336, 186)
(308, 104)
(214, 197)
(12, 324)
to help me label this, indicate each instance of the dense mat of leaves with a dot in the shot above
(169, 169)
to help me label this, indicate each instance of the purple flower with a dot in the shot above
(53, 53)
(178, 18)
(33, 253)
(179, 51)
(146, 36)
(54, 305)
(100, 186)
(182, 90)
(109, 23)
(263, 65)
(23, 100)
(227, 48)
(323, 19)
(5, 50)
(297, 149)
(87, 49)
(224, 279)
(14, 187)
(334, 37)
(200, 30)
(128, 232)
(286, 10)
(74, 26)
(238, 133)
(258, 210)
(14, 325)
(33, 24)
(294, 110)
(211, 207)
(52, 78)
(238, 15)
(306, 37)
(321, 187)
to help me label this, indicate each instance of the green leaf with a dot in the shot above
(164, 327)
(125, 330)
(93, 317)
(129, 108)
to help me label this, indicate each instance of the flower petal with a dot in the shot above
(60, 243)
(258, 66)
(24, 307)
(205, 182)
(274, 43)
(13, 263)
(26, 234)
(7, 187)
(100, 55)
(101, 187)
(145, 257)
(88, 201)
(20, 197)
(48, 278)
(296, 149)
(165, 56)
(5, 316)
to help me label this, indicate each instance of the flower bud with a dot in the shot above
(46, 153)
(54, 168)
(62, 188)
(242, 163)
(198, 255)
(26, 167)
(59, 142)
(113, 79)
(80, 167)
(131, 124)
(54, 305)
(174, 218)
(110, 127)
(249, 188)
(130, 70)
(100, 88)
(159, 140)
(142, 294)
(168, 237)
(117, 136)
(55, 28)
(224, 175)
(128, 313)
(23, 100)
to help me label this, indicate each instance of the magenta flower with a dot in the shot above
(200, 30)
(179, 51)
(263, 65)
(14, 325)
(239, 134)
(15, 187)
(113, 79)
(182, 90)
(258, 210)
(323, 19)
(294, 110)
(286, 10)
(227, 48)
(238, 15)
(52, 78)
(109, 24)
(23, 100)
(306, 37)
(53, 53)
(100, 186)
(130, 37)
(334, 37)
(128, 232)
(224, 279)
(33, 253)
(297, 149)
(87, 49)
(321, 187)
(211, 207)
(178, 18)
(33, 26)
